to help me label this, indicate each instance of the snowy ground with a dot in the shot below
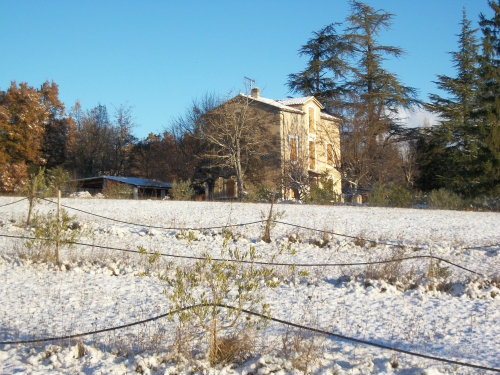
(100, 288)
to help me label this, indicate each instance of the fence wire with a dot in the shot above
(156, 226)
(11, 203)
(299, 265)
(375, 242)
(284, 322)
(277, 320)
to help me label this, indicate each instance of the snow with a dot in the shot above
(457, 317)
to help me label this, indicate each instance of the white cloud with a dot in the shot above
(417, 117)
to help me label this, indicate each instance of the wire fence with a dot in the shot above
(261, 263)
(248, 312)
(262, 316)
(157, 226)
(11, 203)
(359, 238)
(392, 243)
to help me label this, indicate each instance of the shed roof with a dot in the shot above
(136, 181)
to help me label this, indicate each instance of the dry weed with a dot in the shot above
(234, 348)
(302, 348)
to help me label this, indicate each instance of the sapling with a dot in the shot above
(49, 230)
(271, 218)
(35, 185)
(202, 291)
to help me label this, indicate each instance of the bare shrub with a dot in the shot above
(303, 348)
(390, 271)
(234, 348)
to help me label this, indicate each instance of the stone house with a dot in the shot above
(304, 146)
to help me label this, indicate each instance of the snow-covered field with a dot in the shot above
(454, 317)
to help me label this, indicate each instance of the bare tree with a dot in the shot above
(235, 133)
(296, 177)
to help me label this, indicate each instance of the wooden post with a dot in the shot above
(58, 229)
(267, 231)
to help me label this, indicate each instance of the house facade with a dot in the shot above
(303, 147)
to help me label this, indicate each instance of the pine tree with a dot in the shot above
(379, 91)
(489, 101)
(345, 71)
(452, 156)
(325, 70)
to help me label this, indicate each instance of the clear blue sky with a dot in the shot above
(157, 56)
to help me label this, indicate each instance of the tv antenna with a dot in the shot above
(251, 82)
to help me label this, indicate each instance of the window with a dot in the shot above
(329, 155)
(311, 120)
(294, 148)
(312, 155)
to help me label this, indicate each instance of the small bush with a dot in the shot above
(117, 190)
(389, 271)
(399, 196)
(321, 192)
(389, 195)
(210, 283)
(436, 270)
(378, 195)
(58, 179)
(261, 192)
(35, 188)
(181, 190)
(486, 204)
(303, 348)
(49, 231)
(445, 199)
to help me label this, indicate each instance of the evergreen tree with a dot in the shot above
(345, 71)
(451, 158)
(489, 102)
(326, 67)
(380, 92)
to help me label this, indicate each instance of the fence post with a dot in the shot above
(58, 228)
(267, 231)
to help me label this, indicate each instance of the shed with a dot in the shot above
(141, 187)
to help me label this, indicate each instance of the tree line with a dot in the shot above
(344, 71)
(36, 131)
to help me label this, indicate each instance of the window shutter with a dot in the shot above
(311, 120)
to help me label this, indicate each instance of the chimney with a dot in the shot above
(256, 92)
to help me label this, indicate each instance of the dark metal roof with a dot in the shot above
(136, 181)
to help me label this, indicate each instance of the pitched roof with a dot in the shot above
(285, 104)
(273, 103)
(328, 116)
(295, 101)
(136, 181)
